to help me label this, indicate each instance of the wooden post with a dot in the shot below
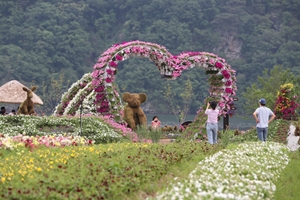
(225, 122)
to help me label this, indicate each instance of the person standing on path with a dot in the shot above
(262, 117)
(212, 122)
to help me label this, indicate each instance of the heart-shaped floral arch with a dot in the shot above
(98, 89)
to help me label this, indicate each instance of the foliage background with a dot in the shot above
(40, 40)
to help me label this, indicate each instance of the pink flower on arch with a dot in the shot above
(221, 104)
(104, 103)
(226, 74)
(95, 73)
(102, 109)
(112, 64)
(96, 81)
(109, 71)
(211, 61)
(219, 65)
(127, 51)
(228, 90)
(108, 80)
(99, 96)
(99, 89)
(228, 83)
(118, 57)
(176, 74)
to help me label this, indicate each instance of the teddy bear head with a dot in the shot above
(133, 99)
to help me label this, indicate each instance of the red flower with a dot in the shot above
(112, 64)
(102, 109)
(104, 103)
(108, 80)
(109, 71)
(99, 89)
(118, 57)
(228, 83)
(228, 90)
(99, 96)
(219, 65)
(226, 74)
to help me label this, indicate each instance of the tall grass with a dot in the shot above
(287, 186)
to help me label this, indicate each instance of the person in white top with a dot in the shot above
(13, 112)
(263, 116)
(212, 122)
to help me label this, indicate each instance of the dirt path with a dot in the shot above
(165, 141)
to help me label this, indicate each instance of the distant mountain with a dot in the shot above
(40, 40)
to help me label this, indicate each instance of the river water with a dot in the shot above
(235, 122)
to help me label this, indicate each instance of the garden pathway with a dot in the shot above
(292, 140)
(165, 141)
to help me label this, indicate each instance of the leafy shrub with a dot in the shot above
(93, 128)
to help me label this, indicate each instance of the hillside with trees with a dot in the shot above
(42, 40)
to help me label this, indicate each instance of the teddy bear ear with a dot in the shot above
(125, 96)
(25, 89)
(33, 88)
(143, 97)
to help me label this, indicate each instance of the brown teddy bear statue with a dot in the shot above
(133, 113)
(27, 106)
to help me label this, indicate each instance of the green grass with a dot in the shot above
(287, 186)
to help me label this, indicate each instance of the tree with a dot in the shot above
(186, 95)
(51, 92)
(267, 87)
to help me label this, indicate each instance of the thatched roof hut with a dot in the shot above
(12, 92)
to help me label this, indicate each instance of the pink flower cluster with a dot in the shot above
(127, 132)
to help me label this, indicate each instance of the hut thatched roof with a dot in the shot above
(12, 92)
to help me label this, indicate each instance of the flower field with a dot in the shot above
(245, 172)
(56, 159)
(108, 171)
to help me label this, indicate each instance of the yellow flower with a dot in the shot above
(2, 179)
(39, 169)
(91, 149)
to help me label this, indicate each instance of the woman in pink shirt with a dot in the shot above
(212, 122)
(155, 124)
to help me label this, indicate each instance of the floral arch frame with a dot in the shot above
(98, 87)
